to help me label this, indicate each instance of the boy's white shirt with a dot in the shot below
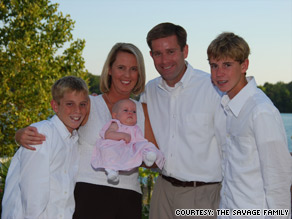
(257, 166)
(40, 184)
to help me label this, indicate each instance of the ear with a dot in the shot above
(114, 115)
(54, 106)
(186, 51)
(244, 66)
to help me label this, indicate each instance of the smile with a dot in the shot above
(75, 118)
(126, 82)
(221, 82)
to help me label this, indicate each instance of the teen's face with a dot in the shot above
(229, 75)
(72, 109)
(124, 73)
(168, 59)
(126, 113)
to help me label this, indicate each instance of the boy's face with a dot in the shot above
(72, 109)
(228, 75)
(168, 58)
(126, 113)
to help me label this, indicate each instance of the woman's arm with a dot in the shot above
(29, 136)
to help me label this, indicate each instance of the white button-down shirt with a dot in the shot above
(183, 119)
(40, 183)
(257, 166)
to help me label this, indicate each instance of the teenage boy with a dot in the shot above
(182, 106)
(257, 166)
(40, 183)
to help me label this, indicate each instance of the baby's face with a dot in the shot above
(127, 113)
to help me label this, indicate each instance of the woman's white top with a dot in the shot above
(88, 136)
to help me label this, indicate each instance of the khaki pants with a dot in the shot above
(168, 201)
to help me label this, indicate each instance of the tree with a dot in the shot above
(93, 83)
(33, 35)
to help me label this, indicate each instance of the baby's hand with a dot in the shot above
(127, 138)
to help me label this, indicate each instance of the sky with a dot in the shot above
(266, 25)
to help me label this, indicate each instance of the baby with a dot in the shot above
(122, 146)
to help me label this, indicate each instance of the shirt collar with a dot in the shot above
(237, 102)
(184, 80)
(62, 129)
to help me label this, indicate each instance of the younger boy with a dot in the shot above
(257, 166)
(40, 183)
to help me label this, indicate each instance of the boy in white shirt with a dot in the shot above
(40, 183)
(256, 162)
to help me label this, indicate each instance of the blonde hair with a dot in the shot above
(68, 84)
(105, 78)
(228, 45)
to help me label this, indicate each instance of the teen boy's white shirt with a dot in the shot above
(40, 183)
(257, 167)
(182, 119)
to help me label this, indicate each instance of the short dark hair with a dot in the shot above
(165, 30)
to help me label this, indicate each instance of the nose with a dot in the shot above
(219, 71)
(77, 109)
(127, 73)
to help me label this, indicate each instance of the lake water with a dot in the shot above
(287, 120)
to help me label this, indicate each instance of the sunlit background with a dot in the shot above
(265, 24)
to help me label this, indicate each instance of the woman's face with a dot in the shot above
(124, 73)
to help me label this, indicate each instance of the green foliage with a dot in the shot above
(4, 164)
(33, 56)
(280, 94)
(93, 83)
(147, 179)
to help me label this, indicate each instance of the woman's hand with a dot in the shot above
(29, 136)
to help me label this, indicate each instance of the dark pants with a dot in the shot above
(104, 202)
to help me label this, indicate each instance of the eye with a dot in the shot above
(125, 110)
(171, 51)
(134, 111)
(156, 54)
(134, 68)
(83, 104)
(120, 67)
(69, 104)
(213, 66)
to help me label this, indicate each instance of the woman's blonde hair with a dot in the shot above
(105, 78)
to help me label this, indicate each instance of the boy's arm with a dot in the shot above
(113, 134)
(275, 159)
(34, 180)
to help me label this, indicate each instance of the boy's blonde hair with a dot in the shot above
(228, 45)
(68, 83)
(105, 78)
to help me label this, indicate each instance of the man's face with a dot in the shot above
(228, 75)
(72, 109)
(168, 59)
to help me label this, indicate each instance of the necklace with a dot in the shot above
(108, 99)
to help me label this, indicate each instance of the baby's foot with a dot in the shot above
(150, 159)
(112, 175)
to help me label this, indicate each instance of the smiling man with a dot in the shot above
(257, 166)
(182, 106)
